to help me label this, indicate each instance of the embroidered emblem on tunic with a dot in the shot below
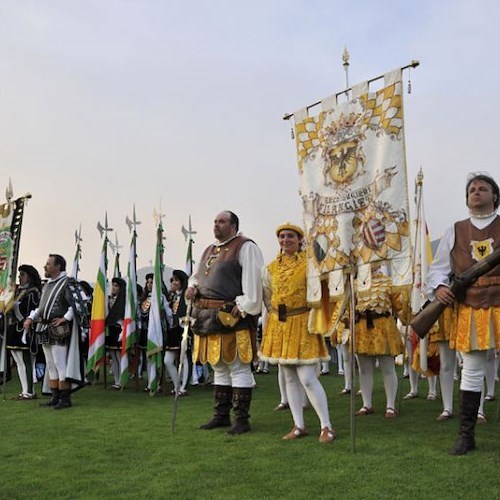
(481, 249)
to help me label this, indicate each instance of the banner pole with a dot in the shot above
(413, 64)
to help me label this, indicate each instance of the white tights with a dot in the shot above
(170, 364)
(300, 378)
(447, 360)
(388, 369)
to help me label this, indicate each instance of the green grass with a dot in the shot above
(119, 445)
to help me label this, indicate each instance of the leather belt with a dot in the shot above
(486, 281)
(284, 312)
(209, 303)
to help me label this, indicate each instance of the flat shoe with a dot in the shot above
(282, 407)
(489, 398)
(445, 415)
(364, 411)
(410, 395)
(295, 433)
(390, 413)
(327, 435)
(481, 419)
(344, 392)
(431, 397)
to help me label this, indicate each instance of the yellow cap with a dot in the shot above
(291, 227)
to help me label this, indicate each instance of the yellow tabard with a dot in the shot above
(475, 329)
(226, 347)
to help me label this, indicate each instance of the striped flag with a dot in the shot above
(155, 330)
(97, 353)
(129, 331)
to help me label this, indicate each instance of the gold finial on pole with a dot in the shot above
(345, 63)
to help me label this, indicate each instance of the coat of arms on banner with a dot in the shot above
(354, 185)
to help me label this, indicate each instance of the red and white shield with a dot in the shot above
(373, 233)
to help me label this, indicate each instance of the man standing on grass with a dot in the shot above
(226, 288)
(476, 325)
(54, 316)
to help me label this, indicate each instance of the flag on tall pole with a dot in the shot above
(97, 339)
(155, 327)
(78, 253)
(422, 259)
(11, 220)
(129, 330)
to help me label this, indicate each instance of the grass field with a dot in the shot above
(119, 445)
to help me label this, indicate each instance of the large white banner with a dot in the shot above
(354, 188)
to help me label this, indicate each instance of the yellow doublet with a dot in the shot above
(384, 339)
(226, 347)
(289, 342)
(475, 329)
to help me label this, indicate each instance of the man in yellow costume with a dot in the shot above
(476, 324)
(226, 288)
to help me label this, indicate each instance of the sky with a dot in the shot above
(176, 107)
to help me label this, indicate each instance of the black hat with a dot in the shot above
(32, 273)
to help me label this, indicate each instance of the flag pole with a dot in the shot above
(105, 230)
(418, 223)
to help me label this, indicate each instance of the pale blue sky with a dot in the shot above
(106, 103)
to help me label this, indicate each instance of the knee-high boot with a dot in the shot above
(242, 397)
(222, 406)
(469, 404)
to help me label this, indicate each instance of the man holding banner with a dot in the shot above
(476, 325)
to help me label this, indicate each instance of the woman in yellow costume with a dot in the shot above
(377, 337)
(286, 340)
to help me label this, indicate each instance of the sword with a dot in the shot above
(186, 322)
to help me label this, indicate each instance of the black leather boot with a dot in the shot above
(469, 405)
(242, 397)
(54, 399)
(222, 396)
(64, 401)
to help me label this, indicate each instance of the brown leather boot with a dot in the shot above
(222, 396)
(469, 404)
(242, 397)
